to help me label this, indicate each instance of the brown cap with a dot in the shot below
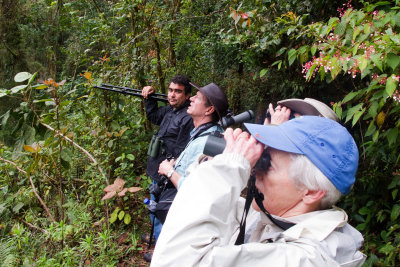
(309, 106)
(216, 96)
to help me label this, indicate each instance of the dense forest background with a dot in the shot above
(62, 141)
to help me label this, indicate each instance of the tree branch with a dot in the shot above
(79, 147)
(33, 188)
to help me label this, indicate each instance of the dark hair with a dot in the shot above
(215, 117)
(182, 80)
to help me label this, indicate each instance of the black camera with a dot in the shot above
(156, 189)
(215, 145)
(215, 142)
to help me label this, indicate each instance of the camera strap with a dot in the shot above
(253, 193)
(202, 128)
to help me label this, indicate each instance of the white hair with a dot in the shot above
(306, 175)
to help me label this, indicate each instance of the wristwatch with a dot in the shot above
(169, 174)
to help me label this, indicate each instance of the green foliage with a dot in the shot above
(63, 141)
(8, 255)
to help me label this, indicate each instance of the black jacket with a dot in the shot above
(175, 126)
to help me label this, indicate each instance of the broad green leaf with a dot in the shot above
(17, 207)
(42, 100)
(313, 50)
(70, 92)
(357, 116)
(19, 145)
(50, 103)
(340, 28)
(375, 137)
(280, 51)
(121, 215)
(18, 88)
(352, 111)
(361, 226)
(376, 58)
(39, 86)
(332, 21)
(292, 56)
(367, 28)
(22, 76)
(373, 109)
(364, 211)
(365, 72)
(5, 118)
(391, 135)
(394, 193)
(66, 154)
(113, 217)
(115, 126)
(355, 49)
(395, 182)
(303, 49)
(356, 31)
(395, 212)
(263, 72)
(335, 68)
(310, 72)
(65, 103)
(276, 62)
(391, 85)
(338, 109)
(32, 78)
(29, 134)
(371, 129)
(392, 60)
(127, 218)
(4, 92)
(395, 38)
(363, 63)
(110, 143)
(130, 157)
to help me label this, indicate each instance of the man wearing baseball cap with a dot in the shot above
(301, 168)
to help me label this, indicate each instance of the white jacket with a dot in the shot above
(202, 226)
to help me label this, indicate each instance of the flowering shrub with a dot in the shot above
(364, 44)
(359, 50)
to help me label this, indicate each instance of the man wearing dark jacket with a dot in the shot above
(174, 127)
(175, 124)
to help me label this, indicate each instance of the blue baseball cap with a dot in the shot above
(328, 145)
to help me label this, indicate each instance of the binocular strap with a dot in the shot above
(253, 193)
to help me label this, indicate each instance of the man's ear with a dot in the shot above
(187, 96)
(210, 110)
(312, 197)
